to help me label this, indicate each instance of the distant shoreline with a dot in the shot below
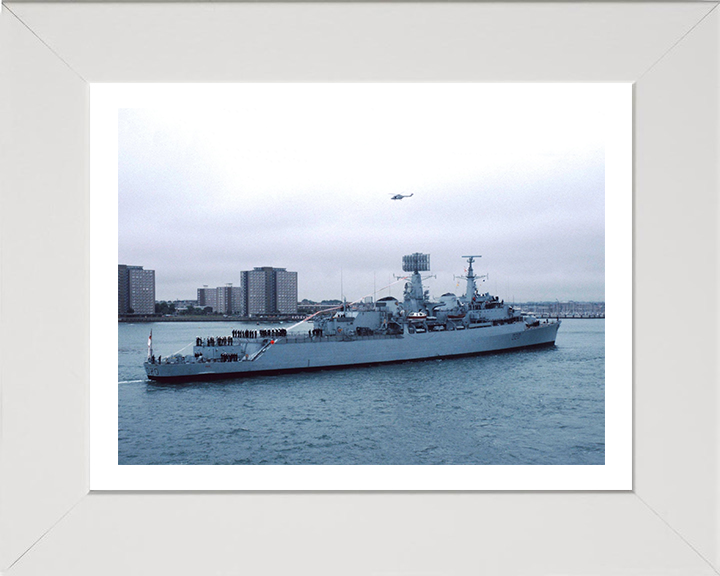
(192, 318)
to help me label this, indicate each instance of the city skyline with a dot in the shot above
(481, 285)
(301, 178)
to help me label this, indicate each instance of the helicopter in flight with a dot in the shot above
(400, 196)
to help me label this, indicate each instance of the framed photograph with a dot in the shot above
(62, 512)
(540, 173)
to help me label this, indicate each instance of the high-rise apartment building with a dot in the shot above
(255, 283)
(229, 300)
(286, 291)
(136, 290)
(207, 297)
(123, 289)
(223, 299)
(238, 301)
(268, 290)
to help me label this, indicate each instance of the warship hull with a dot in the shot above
(300, 353)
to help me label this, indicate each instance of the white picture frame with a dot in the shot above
(49, 522)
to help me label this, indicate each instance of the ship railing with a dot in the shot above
(304, 338)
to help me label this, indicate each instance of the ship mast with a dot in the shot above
(471, 286)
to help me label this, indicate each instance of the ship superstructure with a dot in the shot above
(385, 331)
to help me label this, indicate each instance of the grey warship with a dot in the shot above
(383, 331)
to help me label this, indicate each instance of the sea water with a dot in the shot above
(537, 406)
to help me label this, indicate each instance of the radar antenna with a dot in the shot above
(416, 262)
(470, 260)
(414, 293)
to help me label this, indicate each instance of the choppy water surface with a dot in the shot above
(544, 406)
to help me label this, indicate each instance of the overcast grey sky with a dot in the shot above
(301, 176)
